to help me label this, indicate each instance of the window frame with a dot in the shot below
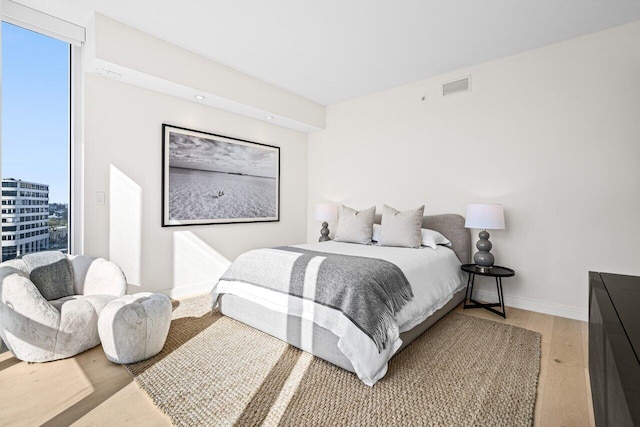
(51, 26)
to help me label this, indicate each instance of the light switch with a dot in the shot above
(99, 197)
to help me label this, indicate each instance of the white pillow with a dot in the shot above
(430, 238)
(401, 228)
(355, 226)
(376, 232)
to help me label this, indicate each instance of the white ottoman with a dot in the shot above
(134, 327)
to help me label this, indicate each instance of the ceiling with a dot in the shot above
(334, 50)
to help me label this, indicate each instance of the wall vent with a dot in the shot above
(456, 86)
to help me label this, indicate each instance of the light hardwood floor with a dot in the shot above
(89, 390)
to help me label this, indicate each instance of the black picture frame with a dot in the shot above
(208, 178)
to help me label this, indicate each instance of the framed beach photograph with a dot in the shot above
(216, 179)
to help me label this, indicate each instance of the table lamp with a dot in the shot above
(484, 216)
(325, 212)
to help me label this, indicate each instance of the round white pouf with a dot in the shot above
(134, 327)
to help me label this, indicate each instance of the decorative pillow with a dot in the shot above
(376, 232)
(401, 228)
(355, 226)
(432, 238)
(51, 273)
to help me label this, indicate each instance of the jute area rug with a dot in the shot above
(464, 371)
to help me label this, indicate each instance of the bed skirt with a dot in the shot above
(324, 343)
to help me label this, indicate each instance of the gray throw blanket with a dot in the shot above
(368, 291)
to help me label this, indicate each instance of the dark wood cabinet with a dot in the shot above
(614, 348)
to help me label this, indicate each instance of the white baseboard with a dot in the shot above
(185, 291)
(537, 306)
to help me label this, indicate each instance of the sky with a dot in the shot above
(35, 110)
(187, 151)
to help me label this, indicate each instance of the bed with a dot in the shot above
(434, 276)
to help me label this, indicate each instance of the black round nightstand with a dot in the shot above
(497, 272)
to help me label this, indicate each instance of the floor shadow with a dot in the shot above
(6, 364)
(258, 408)
(104, 384)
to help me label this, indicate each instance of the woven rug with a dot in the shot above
(215, 371)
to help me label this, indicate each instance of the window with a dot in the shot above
(36, 139)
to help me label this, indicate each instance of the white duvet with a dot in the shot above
(434, 275)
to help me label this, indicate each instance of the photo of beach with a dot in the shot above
(215, 179)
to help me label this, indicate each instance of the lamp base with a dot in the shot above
(482, 269)
(324, 233)
(483, 259)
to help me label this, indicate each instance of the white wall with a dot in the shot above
(123, 155)
(553, 134)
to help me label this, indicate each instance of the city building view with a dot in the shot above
(29, 222)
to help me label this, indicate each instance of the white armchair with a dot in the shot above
(38, 330)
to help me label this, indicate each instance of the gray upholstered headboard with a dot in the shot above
(452, 227)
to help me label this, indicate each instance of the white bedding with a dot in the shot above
(434, 276)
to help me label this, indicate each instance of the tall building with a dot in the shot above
(25, 217)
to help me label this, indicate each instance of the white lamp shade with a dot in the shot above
(485, 216)
(326, 212)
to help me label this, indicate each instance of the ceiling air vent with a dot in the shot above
(456, 86)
